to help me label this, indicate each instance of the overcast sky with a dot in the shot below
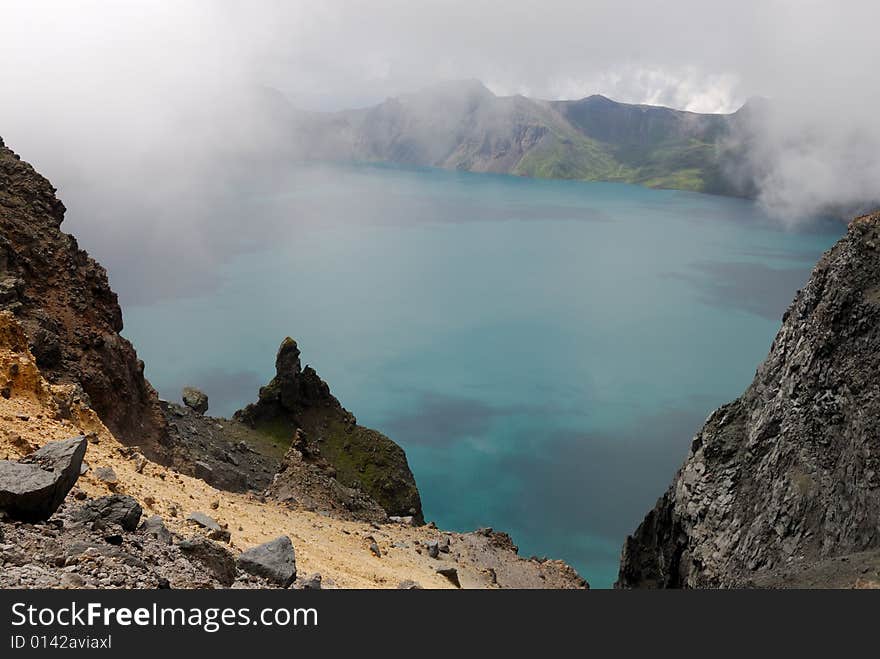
(697, 54)
(94, 92)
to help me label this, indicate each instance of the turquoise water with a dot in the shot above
(543, 350)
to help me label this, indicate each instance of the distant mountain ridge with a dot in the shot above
(463, 125)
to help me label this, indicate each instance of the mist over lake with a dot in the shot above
(543, 350)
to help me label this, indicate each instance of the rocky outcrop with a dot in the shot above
(222, 452)
(195, 399)
(361, 459)
(34, 487)
(787, 476)
(71, 316)
(86, 543)
(305, 478)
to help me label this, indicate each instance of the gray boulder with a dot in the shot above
(118, 509)
(274, 560)
(203, 520)
(107, 475)
(35, 487)
(195, 400)
(218, 560)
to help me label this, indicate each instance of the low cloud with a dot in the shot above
(147, 114)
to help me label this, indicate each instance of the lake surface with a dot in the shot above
(543, 350)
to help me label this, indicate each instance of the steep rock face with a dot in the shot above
(788, 475)
(63, 300)
(297, 398)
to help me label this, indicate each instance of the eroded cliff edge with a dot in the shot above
(62, 298)
(297, 399)
(783, 483)
(62, 359)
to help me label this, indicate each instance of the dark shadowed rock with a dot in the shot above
(195, 399)
(35, 487)
(274, 560)
(450, 573)
(218, 560)
(71, 316)
(118, 509)
(788, 475)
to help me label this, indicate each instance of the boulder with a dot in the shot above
(450, 573)
(118, 509)
(107, 475)
(216, 558)
(274, 560)
(203, 520)
(35, 487)
(195, 400)
(358, 458)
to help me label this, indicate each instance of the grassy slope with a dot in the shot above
(681, 165)
(362, 457)
(594, 139)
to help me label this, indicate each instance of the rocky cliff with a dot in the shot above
(64, 302)
(298, 403)
(782, 486)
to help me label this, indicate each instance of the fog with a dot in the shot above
(147, 114)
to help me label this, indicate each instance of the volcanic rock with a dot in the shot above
(195, 400)
(36, 486)
(219, 561)
(118, 509)
(787, 475)
(361, 459)
(274, 560)
(70, 315)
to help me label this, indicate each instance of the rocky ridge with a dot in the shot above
(297, 403)
(72, 318)
(782, 485)
(462, 125)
